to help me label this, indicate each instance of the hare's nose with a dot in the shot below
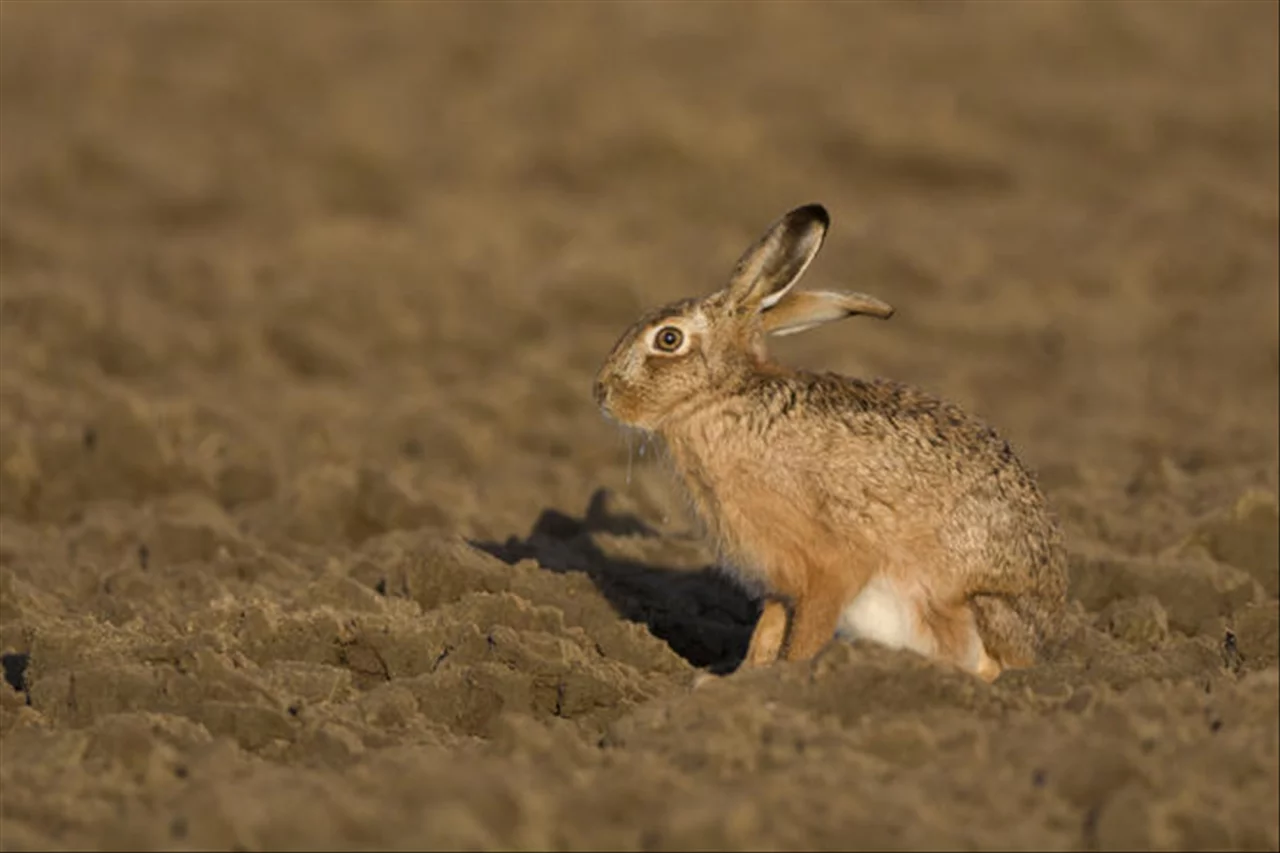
(598, 391)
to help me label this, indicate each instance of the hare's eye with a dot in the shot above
(668, 339)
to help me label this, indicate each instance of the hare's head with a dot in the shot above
(682, 355)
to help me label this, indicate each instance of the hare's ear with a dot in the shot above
(775, 262)
(808, 308)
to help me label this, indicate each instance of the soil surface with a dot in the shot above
(311, 535)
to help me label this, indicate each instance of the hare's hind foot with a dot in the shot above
(957, 639)
(1007, 634)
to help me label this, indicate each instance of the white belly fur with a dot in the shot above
(883, 614)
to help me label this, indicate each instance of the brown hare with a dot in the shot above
(856, 508)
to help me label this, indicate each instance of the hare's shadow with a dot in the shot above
(705, 617)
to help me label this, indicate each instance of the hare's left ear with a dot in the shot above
(805, 309)
(775, 262)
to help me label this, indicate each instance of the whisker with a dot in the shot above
(629, 455)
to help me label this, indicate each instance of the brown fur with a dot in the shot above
(813, 485)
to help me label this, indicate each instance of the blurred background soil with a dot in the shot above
(312, 536)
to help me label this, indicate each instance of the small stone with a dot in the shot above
(1140, 621)
(1256, 631)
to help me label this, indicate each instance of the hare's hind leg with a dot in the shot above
(958, 639)
(904, 616)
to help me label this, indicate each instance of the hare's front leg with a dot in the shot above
(814, 618)
(769, 634)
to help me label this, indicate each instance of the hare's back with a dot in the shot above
(921, 451)
(988, 507)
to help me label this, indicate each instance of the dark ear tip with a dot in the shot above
(814, 213)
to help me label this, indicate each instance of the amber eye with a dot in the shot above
(668, 339)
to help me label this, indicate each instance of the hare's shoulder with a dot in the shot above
(885, 399)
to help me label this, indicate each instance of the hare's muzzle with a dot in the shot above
(605, 394)
(600, 393)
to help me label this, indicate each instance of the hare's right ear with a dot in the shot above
(775, 262)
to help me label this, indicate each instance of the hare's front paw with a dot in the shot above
(702, 678)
